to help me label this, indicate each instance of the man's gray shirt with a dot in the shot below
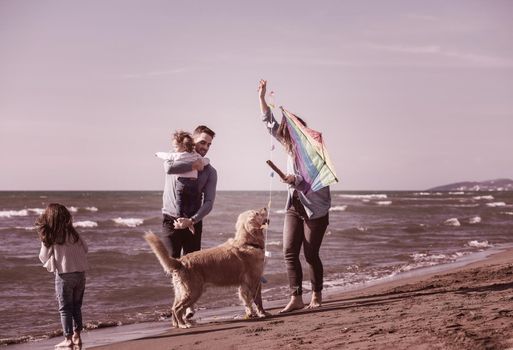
(207, 182)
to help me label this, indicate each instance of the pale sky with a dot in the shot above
(408, 94)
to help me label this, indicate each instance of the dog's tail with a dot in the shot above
(168, 263)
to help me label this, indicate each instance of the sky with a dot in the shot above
(408, 94)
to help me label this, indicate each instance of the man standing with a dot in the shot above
(175, 229)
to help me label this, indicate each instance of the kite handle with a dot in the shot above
(276, 169)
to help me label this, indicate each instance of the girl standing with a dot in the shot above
(306, 219)
(63, 252)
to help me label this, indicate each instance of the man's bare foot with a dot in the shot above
(77, 340)
(316, 300)
(66, 343)
(295, 303)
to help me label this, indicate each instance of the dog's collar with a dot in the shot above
(255, 245)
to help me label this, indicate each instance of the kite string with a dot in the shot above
(271, 175)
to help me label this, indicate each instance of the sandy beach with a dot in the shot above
(469, 307)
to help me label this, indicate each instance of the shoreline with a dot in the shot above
(157, 335)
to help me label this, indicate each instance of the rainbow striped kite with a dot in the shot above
(312, 159)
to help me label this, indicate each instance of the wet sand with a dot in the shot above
(469, 307)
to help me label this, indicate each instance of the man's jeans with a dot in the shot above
(69, 288)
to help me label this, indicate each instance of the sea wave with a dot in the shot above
(464, 205)
(452, 222)
(496, 204)
(86, 223)
(477, 244)
(353, 232)
(483, 197)
(425, 260)
(338, 208)
(427, 257)
(363, 196)
(22, 212)
(37, 211)
(93, 209)
(459, 193)
(26, 228)
(280, 211)
(384, 202)
(130, 222)
(474, 220)
(507, 212)
(11, 213)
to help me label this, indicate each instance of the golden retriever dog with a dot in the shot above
(237, 262)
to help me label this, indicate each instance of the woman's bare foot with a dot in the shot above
(295, 303)
(66, 343)
(316, 300)
(77, 340)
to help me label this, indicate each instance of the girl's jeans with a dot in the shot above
(299, 231)
(69, 288)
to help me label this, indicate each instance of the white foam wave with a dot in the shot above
(38, 211)
(338, 208)
(477, 244)
(422, 194)
(474, 220)
(417, 257)
(280, 211)
(73, 209)
(464, 205)
(26, 228)
(363, 196)
(483, 197)
(85, 223)
(11, 213)
(276, 243)
(384, 202)
(94, 209)
(496, 204)
(452, 222)
(507, 212)
(423, 260)
(456, 193)
(130, 222)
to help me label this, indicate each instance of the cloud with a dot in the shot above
(421, 17)
(464, 58)
(155, 73)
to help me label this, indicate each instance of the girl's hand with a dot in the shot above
(198, 165)
(182, 223)
(262, 88)
(289, 179)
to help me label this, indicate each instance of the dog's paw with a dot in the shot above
(248, 316)
(189, 312)
(263, 314)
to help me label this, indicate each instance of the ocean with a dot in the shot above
(371, 236)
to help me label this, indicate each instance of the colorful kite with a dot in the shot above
(312, 159)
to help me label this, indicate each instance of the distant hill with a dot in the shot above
(489, 185)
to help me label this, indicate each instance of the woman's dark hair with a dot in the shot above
(185, 139)
(55, 225)
(283, 135)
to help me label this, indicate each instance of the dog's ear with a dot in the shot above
(241, 221)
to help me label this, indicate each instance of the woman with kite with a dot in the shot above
(309, 173)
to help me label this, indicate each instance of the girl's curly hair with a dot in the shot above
(55, 225)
